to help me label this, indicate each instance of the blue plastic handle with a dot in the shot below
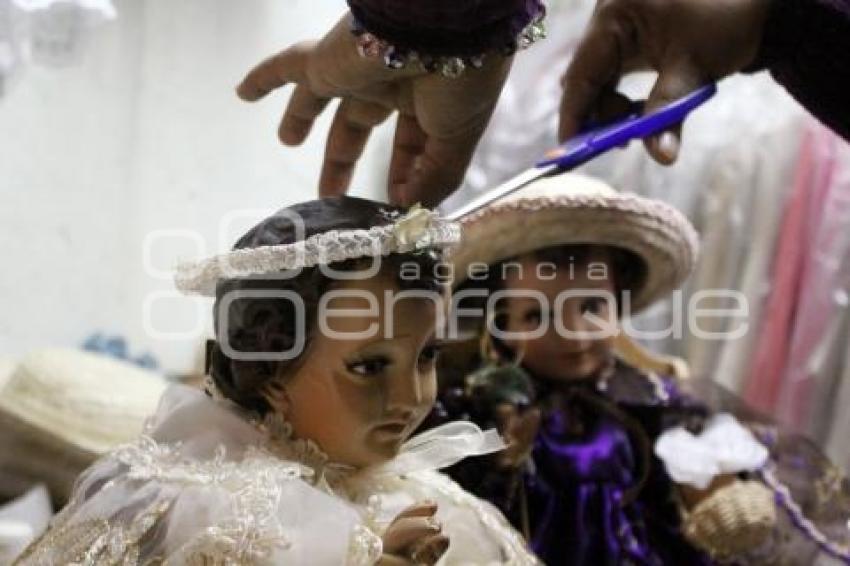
(587, 145)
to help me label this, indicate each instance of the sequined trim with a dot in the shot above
(369, 45)
(249, 533)
(95, 542)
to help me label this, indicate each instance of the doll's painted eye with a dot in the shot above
(593, 305)
(533, 316)
(429, 354)
(369, 366)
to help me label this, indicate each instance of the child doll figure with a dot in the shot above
(596, 420)
(561, 260)
(298, 453)
(580, 475)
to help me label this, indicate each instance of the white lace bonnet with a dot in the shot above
(418, 229)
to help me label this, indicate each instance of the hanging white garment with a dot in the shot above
(811, 382)
(769, 184)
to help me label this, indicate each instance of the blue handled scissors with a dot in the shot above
(594, 142)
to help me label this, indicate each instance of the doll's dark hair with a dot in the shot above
(629, 269)
(270, 324)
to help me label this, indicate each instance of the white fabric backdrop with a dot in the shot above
(145, 134)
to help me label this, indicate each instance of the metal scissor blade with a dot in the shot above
(502, 190)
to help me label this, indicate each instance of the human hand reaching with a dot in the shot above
(688, 42)
(440, 119)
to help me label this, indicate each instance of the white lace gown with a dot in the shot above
(207, 484)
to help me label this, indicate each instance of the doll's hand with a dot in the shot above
(440, 119)
(414, 537)
(519, 431)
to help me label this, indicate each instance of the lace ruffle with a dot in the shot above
(282, 441)
(148, 459)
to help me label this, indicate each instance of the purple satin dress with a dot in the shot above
(578, 493)
(594, 493)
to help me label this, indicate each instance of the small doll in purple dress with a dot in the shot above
(609, 462)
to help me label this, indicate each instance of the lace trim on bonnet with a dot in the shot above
(418, 229)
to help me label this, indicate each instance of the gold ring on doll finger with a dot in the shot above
(428, 551)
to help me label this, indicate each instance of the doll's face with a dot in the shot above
(360, 398)
(559, 355)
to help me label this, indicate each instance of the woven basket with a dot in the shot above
(734, 520)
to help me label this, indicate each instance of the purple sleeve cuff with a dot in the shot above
(456, 28)
(805, 46)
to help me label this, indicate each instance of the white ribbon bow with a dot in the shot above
(441, 447)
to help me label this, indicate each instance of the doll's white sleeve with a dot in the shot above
(143, 505)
